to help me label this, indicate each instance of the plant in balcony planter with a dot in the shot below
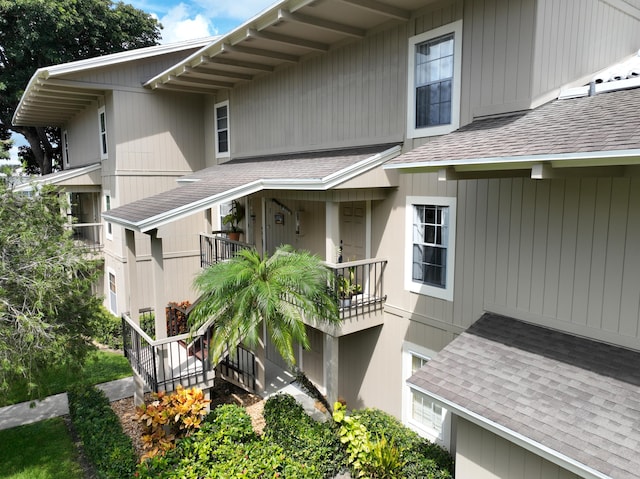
(348, 288)
(233, 219)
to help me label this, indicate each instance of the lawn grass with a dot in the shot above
(101, 366)
(43, 450)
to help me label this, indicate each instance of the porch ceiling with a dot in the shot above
(280, 35)
(316, 171)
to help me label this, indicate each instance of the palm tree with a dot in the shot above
(279, 290)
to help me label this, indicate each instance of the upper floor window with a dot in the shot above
(222, 129)
(430, 245)
(107, 207)
(102, 123)
(65, 147)
(434, 81)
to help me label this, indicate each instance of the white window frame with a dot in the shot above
(65, 147)
(108, 227)
(222, 154)
(412, 131)
(445, 293)
(443, 436)
(104, 139)
(112, 295)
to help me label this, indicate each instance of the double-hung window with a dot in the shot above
(222, 129)
(107, 207)
(102, 123)
(430, 250)
(420, 412)
(434, 81)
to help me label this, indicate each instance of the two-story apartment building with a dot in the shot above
(112, 155)
(491, 224)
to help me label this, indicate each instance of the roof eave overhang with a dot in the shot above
(535, 447)
(260, 45)
(330, 181)
(560, 160)
(60, 177)
(44, 76)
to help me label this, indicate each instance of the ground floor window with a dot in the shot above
(113, 297)
(419, 411)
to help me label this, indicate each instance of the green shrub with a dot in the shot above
(422, 459)
(105, 444)
(107, 329)
(303, 438)
(225, 446)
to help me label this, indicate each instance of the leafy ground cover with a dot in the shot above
(43, 450)
(296, 447)
(101, 366)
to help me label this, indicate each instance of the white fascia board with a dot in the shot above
(325, 183)
(58, 177)
(529, 444)
(215, 47)
(557, 160)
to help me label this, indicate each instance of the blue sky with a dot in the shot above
(184, 20)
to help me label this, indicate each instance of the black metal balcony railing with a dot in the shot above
(88, 235)
(181, 359)
(215, 248)
(359, 286)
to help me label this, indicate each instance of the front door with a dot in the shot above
(353, 230)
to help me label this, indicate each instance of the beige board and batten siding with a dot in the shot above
(353, 95)
(561, 253)
(480, 454)
(83, 139)
(158, 133)
(575, 38)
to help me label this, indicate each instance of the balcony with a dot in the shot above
(358, 286)
(216, 247)
(87, 236)
(182, 358)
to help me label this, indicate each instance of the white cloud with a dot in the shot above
(178, 25)
(234, 9)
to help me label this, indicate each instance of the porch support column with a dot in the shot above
(160, 300)
(260, 352)
(132, 270)
(332, 232)
(208, 214)
(331, 354)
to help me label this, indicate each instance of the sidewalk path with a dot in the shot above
(57, 405)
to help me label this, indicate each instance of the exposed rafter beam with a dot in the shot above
(180, 88)
(259, 52)
(541, 171)
(47, 100)
(198, 82)
(56, 107)
(237, 63)
(381, 8)
(69, 91)
(321, 23)
(287, 40)
(205, 72)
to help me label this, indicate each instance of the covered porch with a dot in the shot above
(328, 214)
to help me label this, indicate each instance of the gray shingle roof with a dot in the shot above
(214, 184)
(604, 122)
(578, 397)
